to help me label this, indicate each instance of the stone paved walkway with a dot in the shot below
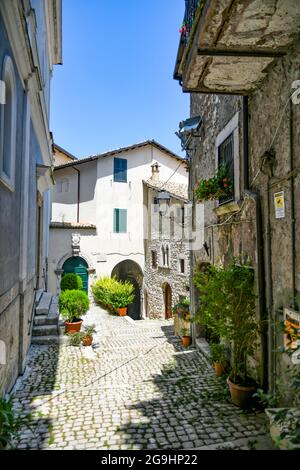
(137, 390)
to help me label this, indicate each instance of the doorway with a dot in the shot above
(168, 301)
(78, 266)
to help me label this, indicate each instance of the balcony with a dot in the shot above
(226, 46)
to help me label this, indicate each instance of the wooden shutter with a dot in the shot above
(120, 170)
(120, 220)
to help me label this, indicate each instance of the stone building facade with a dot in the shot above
(30, 45)
(167, 260)
(248, 85)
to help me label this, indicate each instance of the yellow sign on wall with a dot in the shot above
(279, 205)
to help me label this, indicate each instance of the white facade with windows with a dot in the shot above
(104, 203)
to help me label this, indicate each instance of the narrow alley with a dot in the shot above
(138, 389)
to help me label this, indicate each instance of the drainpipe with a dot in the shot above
(78, 191)
(293, 215)
(260, 275)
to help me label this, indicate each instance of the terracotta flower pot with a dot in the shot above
(186, 341)
(72, 327)
(240, 395)
(122, 311)
(219, 369)
(87, 341)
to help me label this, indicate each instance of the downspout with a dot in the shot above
(255, 196)
(78, 191)
(293, 215)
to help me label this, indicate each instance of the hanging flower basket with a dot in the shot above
(216, 187)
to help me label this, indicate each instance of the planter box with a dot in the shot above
(277, 428)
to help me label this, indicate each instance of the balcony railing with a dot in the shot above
(191, 7)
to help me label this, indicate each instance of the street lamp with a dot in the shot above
(163, 200)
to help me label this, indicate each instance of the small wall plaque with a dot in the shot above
(279, 205)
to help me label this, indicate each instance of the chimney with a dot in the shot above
(155, 172)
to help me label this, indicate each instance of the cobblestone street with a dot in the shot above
(137, 390)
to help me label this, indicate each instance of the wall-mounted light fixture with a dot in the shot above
(188, 129)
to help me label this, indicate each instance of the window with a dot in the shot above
(226, 159)
(227, 154)
(156, 204)
(154, 259)
(182, 265)
(8, 118)
(120, 220)
(120, 170)
(165, 251)
(63, 185)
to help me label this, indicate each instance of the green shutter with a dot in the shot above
(123, 220)
(120, 220)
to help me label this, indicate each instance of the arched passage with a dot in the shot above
(129, 270)
(79, 266)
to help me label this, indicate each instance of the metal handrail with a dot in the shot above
(191, 7)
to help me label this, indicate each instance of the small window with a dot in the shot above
(155, 204)
(8, 117)
(226, 159)
(63, 185)
(120, 170)
(120, 220)
(165, 251)
(182, 265)
(154, 259)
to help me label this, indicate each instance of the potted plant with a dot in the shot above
(102, 289)
(228, 308)
(88, 332)
(182, 309)
(186, 337)
(114, 295)
(216, 187)
(73, 304)
(282, 406)
(71, 281)
(121, 296)
(219, 357)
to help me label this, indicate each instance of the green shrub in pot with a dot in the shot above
(71, 281)
(73, 304)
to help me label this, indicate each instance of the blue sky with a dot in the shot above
(116, 86)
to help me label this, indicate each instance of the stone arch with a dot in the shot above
(59, 268)
(129, 270)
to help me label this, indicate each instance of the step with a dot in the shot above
(40, 320)
(38, 296)
(44, 304)
(45, 330)
(44, 340)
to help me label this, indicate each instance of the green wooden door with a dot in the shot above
(78, 266)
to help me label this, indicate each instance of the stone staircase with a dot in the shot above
(45, 324)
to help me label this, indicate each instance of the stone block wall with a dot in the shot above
(156, 278)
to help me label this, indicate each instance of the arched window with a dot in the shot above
(8, 125)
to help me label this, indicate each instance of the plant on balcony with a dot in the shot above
(182, 309)
(216, 187)
(228, 309)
